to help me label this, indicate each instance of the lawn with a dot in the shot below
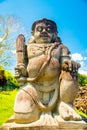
(6, 105)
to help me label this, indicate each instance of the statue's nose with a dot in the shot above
(44, 30)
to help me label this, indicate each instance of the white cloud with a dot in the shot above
(82, 60)
(83, 72)
(76, 56)
(82, 63)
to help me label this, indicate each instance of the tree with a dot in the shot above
(82, 80)
(10, 28)
(3, 80)
(9, 82)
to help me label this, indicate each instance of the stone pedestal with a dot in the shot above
(46, 123)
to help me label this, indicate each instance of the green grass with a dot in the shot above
(6, 105)
(81, 113)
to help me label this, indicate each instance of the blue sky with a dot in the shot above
(69, 15)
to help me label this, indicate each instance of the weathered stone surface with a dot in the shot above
(48, 76)
(46, 122)
(72, 125)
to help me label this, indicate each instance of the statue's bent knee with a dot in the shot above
(25, 109)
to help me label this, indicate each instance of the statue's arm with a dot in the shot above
(67, 64)
(64, 53)
(21, 51)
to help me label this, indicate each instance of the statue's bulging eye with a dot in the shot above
(49, 29)
(39, 29)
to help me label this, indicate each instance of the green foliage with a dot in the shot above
(81, 113)
(82, 80)
(6, 105)
(11, 81)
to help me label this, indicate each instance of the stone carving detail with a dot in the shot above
(47, 76)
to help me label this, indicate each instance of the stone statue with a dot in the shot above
(47, 75)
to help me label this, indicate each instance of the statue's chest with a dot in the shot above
(43, 60)
(35, 50)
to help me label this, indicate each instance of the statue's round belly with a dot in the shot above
(50, 70)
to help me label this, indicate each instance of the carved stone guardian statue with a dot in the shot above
(47, 76)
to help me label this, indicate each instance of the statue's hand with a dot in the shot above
(69, 65)
(20, 70)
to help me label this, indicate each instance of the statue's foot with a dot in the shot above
(47, 119)
(67, 112)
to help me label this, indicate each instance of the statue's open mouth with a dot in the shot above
(44, 36)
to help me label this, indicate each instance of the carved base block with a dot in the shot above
(62, 126)
(46, 123)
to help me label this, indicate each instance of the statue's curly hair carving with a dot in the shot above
(44, 20)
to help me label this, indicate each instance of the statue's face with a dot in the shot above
(44, 33)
